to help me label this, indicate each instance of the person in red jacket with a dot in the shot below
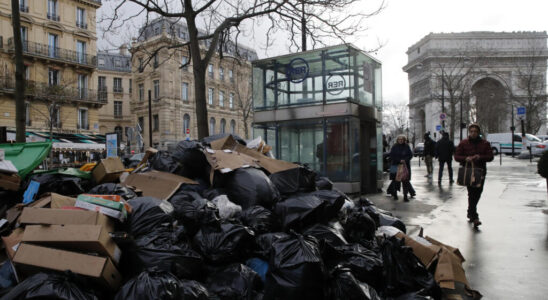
(478, 150)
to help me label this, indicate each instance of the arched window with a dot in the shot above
(233, 127)
(212, 126)
(186, 123)
(223, 125)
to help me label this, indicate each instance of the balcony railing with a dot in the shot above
(42, 90)
(82, 25)
(54, 17)
(51, 52)
(23, 8)
(118, 89)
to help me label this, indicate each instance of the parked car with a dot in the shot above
(543, 138)
(502, 143)
(419, 150)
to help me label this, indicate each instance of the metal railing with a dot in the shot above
(118, 89)
(23, 8)
(42, 90)
(81, 25)
(51, 52)
(54, 17)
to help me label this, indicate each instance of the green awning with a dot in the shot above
(26, 156)
(66, 171)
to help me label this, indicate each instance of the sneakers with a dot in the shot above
(476, 222)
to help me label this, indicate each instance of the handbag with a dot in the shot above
(470, 175)
(403, 173)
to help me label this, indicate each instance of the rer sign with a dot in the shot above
(521, 112)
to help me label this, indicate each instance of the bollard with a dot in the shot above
(531, 153)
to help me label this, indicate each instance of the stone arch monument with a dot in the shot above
(479, 77)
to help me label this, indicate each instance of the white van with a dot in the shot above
(502, 142)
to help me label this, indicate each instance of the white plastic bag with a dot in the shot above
(227, 209)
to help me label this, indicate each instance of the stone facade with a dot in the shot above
(59, 45)
(480, 70)
(172, 86)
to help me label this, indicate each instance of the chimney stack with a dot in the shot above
(123, 49)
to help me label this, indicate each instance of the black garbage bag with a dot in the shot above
(192, 160)
(148, 213)
(366, 265)
(61, 286)
(301, 179)
(164, 161)
(61, 184)
(415, 296)
(300, 211)
(197, 188)
(332, 233)
(193, 211)
(343, 285)
(259, 219)
(296, 269)
(213, 193)
(323, 183)
(166, 249)
(382, 219)
(359, 226)
(113, 189)
(334, 202)
(263, 243)
(235, 282)
(248, 187)
(211, 138)
(403, 272)
(224, 243)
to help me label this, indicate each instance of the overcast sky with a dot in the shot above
(404, 22)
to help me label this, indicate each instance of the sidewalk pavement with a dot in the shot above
(507, 257)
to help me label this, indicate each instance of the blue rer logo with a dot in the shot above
(297, 70)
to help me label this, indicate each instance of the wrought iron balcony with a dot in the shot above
(44, 91)
(82, 25)
(55, 53)
(54, 17)
(23, 8)
(118, 89)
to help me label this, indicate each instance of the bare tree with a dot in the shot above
(243, 92)
(20, 129)
(224, 20)
(395, 118)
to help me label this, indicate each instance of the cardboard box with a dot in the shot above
(100, 201)
(50, 216)
(115, 198)
(108, 170)
(31, 259)
(117, 214)
(12, 241)
(10, 181)
(270, 164)
(161, 185)
(84, 238)
(54, 200)
(449, 269)
(425, 251)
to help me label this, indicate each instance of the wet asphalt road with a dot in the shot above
(507, 257)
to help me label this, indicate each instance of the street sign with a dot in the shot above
(188, 134)
(443, 116)
(438, 127)
(521, 113)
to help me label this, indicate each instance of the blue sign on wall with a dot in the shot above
(521, 110)
(438, 127)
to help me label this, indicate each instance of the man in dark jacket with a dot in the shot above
(429, 152)
(444, 152)
(474, 149)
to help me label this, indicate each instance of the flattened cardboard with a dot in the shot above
(31, 259)
(227, 161)
(84, 238)
(227, 142)
(267, 163)
(11, 241)
(157, 184)
(449, 269)
(108, 170)
(50, 216)
(54, 200)
(10, 181)
(427, 254)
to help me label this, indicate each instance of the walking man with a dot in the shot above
(429, 152)
(477, 150)
(444, 152)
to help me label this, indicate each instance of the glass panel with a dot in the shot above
(300, 142)
(337, 147)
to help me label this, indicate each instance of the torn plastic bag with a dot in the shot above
(248, 187)
(227, 209)
(164, 161)
(359, 226)
(193, 161)
(294, 180)
(113, 189)
(224, 243)
(236, 281)
(332, 233)
(296, 269)
(193, 211)
(335, 201)
(403, 272)
(147, 213)
(300, 211)
(61, 184)
(343, 285)
(60, 286)
(166, 249)
(366, 265)
(259, 266)
(323, 183)
(260, 219)
(263, 243)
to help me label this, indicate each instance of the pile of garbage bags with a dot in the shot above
(244, 233)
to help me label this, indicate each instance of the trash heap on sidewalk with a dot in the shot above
(213, 219)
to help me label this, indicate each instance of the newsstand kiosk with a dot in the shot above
(323, 108)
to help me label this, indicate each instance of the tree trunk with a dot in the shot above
(453, 118)
(20, 116)
(246, 131)
(200, 98)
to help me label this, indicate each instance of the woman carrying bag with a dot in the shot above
(401, 155)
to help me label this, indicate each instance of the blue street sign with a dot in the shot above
(438, 127)
(521, 110)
